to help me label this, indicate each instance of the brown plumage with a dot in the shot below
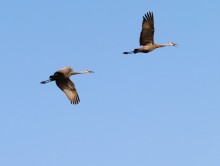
(147, 36)
(61, 77)
(147, 32)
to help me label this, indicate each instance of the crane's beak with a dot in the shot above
(175, 45)
(89, 71)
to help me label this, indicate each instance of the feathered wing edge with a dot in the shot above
(68, 87)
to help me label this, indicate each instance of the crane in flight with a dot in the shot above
(147, 36)
(61, 77)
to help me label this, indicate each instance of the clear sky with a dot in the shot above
(156, 109)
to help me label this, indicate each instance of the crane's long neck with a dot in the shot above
(82, 72)
(167, 44)
(162, 45)
(75, 73)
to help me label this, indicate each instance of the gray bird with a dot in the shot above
(61, 77)
(147, 36)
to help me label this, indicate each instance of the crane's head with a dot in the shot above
(172, 44)
(88, 71)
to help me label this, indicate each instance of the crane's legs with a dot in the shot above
(44, 82)
(130, 52)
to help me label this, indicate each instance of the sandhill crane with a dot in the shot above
(147, 36)
(61, 77)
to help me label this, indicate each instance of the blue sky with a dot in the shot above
(158, 109)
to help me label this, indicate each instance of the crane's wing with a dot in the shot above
(147, 33)
(68, 87)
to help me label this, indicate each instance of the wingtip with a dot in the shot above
(75, 100)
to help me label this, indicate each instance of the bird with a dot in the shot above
(61, 77)
(146, 39)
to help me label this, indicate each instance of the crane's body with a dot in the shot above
(147, 36)
(146, 48)
(61, 77)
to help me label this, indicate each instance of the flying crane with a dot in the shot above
(147, 36)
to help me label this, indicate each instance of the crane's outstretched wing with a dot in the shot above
(147, 33)
(68, 87)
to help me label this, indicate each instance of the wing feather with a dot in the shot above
(147, 32)
(68, 87)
